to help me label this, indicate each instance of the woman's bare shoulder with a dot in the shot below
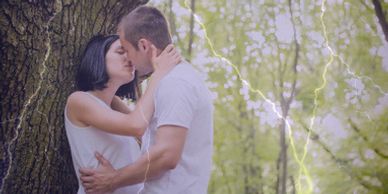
(78, 99)
(77, 102)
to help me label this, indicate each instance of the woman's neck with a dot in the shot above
(106, 94)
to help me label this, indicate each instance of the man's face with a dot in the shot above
(139, 57)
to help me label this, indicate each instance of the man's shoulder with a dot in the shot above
(182, 79)
(183, 73)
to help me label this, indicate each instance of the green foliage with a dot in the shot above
(256, 37)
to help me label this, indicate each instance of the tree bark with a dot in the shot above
(41, 42)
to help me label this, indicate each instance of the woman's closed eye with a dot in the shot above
(120, 51)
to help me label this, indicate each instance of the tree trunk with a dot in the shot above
(171, 21)
(380, 14)
(285, 106)
(191, 36)
(41, 42)
(282, 176)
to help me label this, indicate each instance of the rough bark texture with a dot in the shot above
(41, 41)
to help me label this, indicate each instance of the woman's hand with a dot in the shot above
(163, 64)
(166, 61)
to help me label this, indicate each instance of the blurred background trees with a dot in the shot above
(300, 90)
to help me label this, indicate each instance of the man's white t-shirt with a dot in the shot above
(182, 99)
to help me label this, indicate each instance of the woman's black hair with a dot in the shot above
(92, 73)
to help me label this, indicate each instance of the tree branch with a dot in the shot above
(365, 138)
(381, 16)
(343, 163)
(191, 37)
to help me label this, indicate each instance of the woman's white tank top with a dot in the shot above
(85, 141)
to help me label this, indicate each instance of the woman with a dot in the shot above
(90, 122)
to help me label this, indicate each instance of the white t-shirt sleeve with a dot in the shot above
(175, 103)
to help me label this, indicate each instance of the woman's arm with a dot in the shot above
(119, 105)
(162, 65)
(88, 111)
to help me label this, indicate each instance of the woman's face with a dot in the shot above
(118, 66)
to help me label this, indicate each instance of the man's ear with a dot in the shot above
(144, 45)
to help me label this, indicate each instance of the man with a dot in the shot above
(177, 147)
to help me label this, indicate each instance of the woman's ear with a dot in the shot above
(144, 45)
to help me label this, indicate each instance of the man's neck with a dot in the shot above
(144, 77)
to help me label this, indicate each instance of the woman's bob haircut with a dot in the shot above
(92, 72)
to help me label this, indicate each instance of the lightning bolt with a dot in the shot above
(147, 150)
(316, 94)
(273, 105)
(288, 126)
(360, 77)
(302, 167)
(30, 99)
(148, 164)
(324, 82)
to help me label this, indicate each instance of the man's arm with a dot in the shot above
(162, 156)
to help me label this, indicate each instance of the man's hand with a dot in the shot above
(98, 180)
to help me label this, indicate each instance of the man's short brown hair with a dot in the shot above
(146, 22)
